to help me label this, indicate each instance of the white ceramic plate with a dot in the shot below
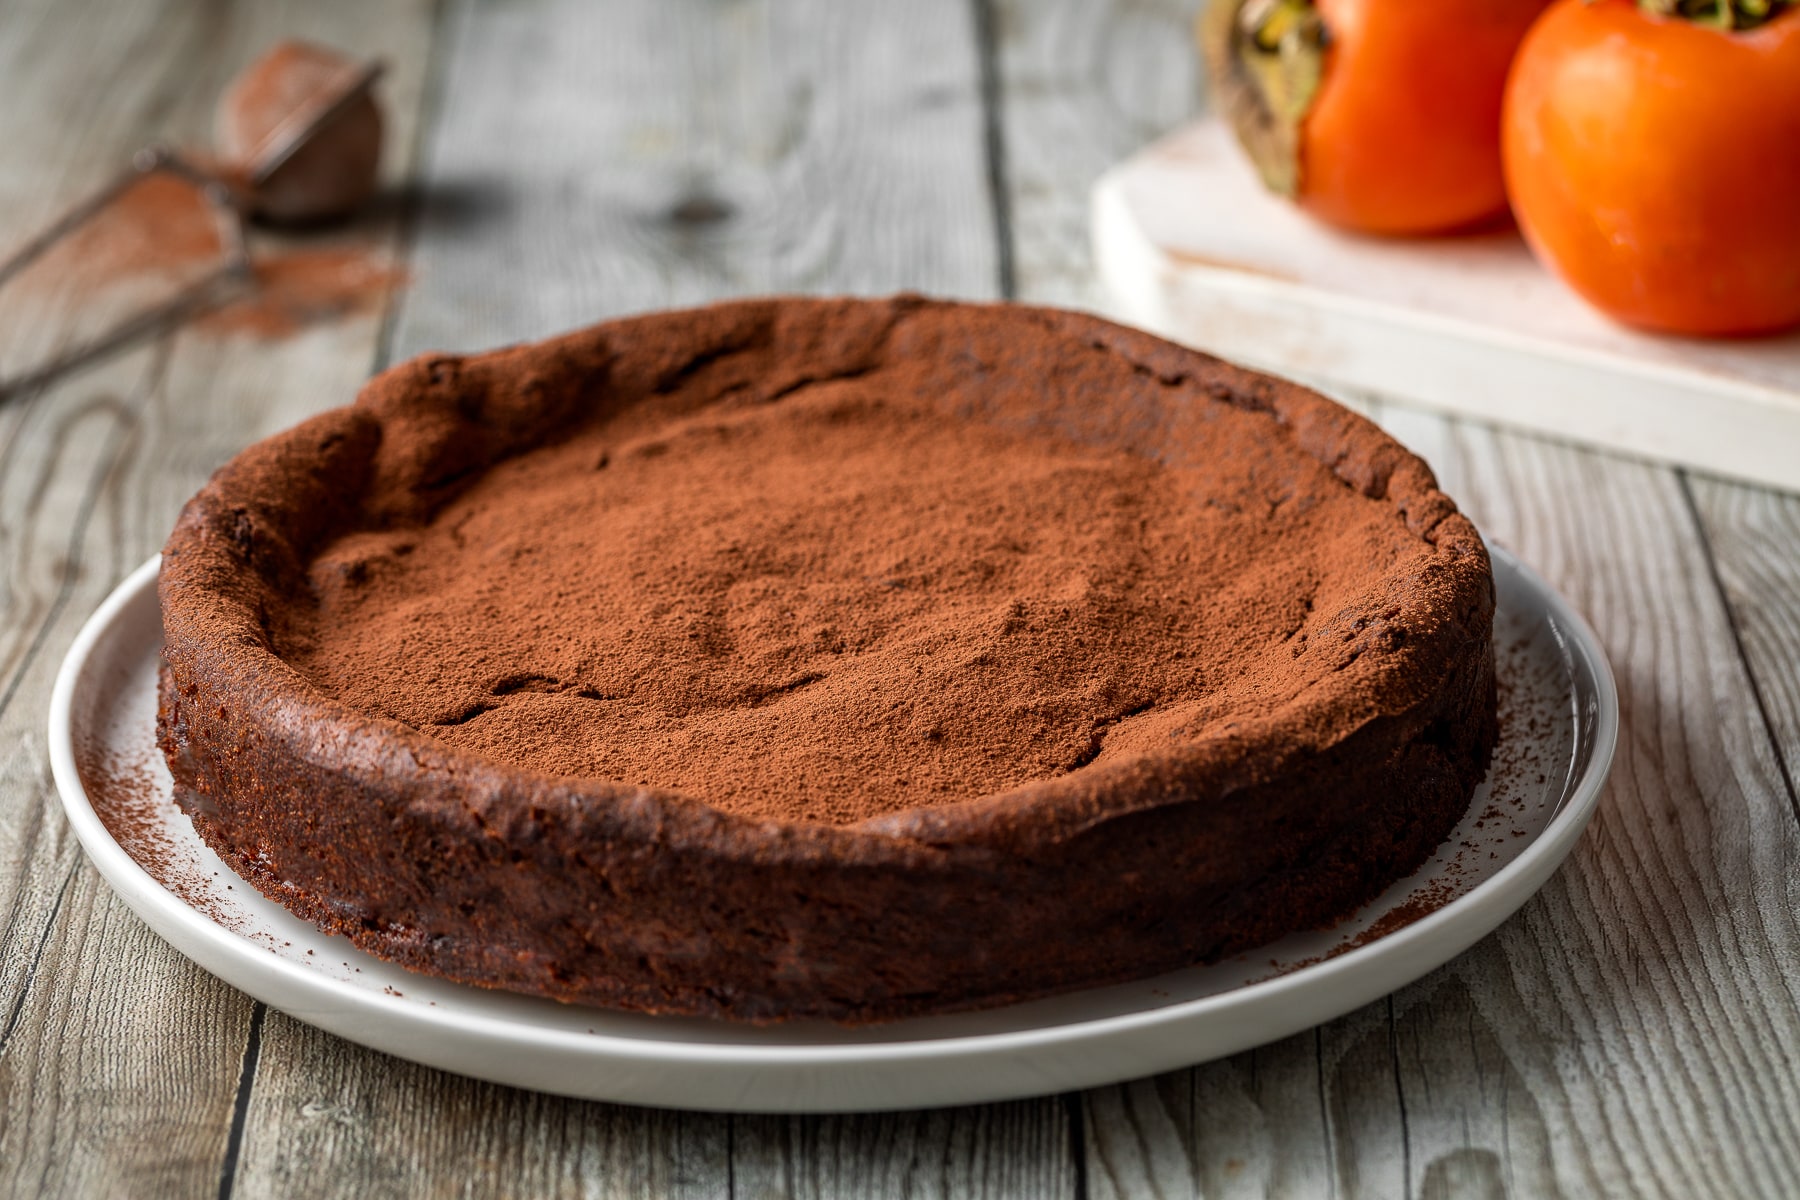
(1560, 723)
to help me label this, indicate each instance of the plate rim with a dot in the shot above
(1437, 937)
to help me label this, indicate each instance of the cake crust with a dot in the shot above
(1273, 787)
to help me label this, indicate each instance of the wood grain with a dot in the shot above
(1754, 538)
(1018, 1149)
(331, 1119)
(594, 160)
(119, 1060)
(1082, 84)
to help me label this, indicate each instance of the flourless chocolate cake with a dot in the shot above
(852, 658)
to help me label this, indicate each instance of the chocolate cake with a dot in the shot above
(839, 658)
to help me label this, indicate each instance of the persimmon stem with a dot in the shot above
(1266, 59)
(1719, 14)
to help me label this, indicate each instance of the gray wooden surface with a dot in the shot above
(1633, 1031)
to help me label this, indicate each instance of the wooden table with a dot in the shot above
(1634, 1030)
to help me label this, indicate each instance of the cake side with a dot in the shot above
(1158, 856)
(676, 912)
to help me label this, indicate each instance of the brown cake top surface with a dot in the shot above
(825, 564)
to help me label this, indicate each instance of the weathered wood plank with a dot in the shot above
(329, 1119)
(640, 155)
(1754, 537)
(1081, 85)
(1613, 1036)
(589, 161)
(992, 1150)
(84, 1046)
(119, 1060)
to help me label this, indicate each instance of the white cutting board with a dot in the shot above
(1191, 247)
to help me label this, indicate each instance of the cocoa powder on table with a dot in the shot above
(843, 603)
(160, 236)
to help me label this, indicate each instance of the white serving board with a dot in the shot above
(1190, 246)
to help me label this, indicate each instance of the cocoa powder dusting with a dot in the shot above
(299, 289)
(161, 235)
(120, 781)
(161, 225)
(846, 603)
(1533, 718)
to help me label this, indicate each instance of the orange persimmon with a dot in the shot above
(1654, 162)
(1376, 115)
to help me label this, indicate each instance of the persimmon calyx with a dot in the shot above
(1266, 58)
(1719, 14)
